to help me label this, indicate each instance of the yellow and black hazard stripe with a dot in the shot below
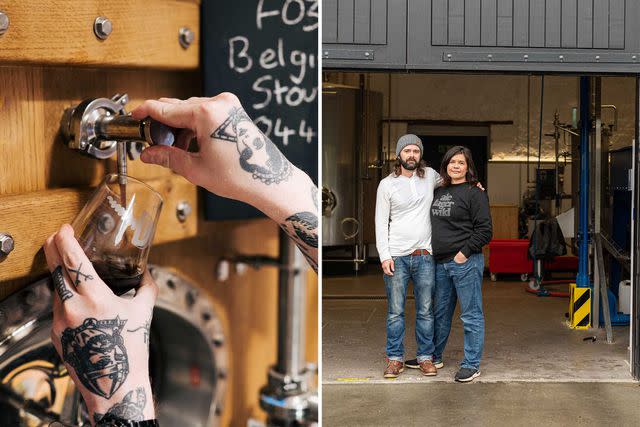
(579, 307)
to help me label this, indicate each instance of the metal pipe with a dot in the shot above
(568, 130)
(351, 260)
(126, 128)
(362, 172)
(387, 157)
(635, 236)
(121, 128)
(122, 164)
(537, 187)
(556, 137)
(528, 126)
(291, 309)
(287, 397)
(582, 279)
(603, 289)
(94, 125)
(364, 153)
(598, 273)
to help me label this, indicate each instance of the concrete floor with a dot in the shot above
(533, 364)
(481, 404)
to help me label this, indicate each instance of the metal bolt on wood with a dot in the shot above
(186, 37)
(6, 244)
(4, 23)
(102, 27)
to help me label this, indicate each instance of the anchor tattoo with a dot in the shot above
(80, 273)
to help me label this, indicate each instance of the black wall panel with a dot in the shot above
(364, 33)
(577, 36)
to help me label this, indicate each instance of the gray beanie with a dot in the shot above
(408, 139)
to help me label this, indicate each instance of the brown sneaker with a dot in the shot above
(428, 368)
(394, 368)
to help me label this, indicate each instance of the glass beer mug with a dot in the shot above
(116, 228)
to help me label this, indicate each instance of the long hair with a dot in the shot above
(472, 174)
(397, 168)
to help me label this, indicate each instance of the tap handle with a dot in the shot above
(157, 133)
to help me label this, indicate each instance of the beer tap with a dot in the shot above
(95, 127)
(100, 127)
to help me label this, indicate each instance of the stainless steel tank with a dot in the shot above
(351, 155)
(340, 224)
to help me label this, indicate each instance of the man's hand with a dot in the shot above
(479, 186)
(232, 152)
(236, 160)
(102, 339)
(460, 258)
(388, 267)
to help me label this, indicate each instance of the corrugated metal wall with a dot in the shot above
(355, 21)
(584, 24)
(510, 35)
(371, 33)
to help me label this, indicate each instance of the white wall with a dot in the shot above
(493, 98)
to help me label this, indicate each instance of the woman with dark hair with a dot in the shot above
(461, 226)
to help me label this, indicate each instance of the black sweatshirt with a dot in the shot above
(460, 221)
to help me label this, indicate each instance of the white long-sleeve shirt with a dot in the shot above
(403, 223)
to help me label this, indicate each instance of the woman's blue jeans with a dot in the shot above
(421, 270)
(461, 282)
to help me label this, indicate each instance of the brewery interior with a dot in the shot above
(503, 119)
(545, 95)
(226, 320)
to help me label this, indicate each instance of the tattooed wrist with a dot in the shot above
(305, 225)
(130, 408)
(303, 229)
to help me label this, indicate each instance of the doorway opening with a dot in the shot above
(502, 119)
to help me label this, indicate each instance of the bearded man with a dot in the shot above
(403, 240)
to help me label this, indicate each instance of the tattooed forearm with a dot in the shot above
(80, 273)
(303, 229)
(58, 283)
(97, 353)
(305, 225)
(129, 409)
(258, 155)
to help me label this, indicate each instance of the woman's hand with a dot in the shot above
(460, 258)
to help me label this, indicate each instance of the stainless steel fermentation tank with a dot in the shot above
(351, 170)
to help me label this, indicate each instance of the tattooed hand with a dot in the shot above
(96, 333)
(236, 160)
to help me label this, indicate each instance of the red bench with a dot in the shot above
(511, 256)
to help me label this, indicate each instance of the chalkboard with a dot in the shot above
(266, 52)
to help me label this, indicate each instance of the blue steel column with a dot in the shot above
(582, 280)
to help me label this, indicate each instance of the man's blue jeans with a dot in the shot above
(461, 282)
(421, 270)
